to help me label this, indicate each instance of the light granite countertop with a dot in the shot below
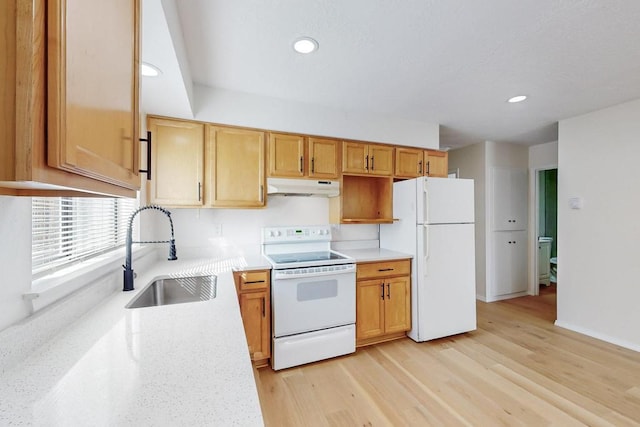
(182, 364)
(373, 254)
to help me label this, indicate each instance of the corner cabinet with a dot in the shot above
(235, 167)
(383, 301)
(63, 132)
(177, 153)
(253, 288)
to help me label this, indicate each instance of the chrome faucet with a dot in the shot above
(128, 271)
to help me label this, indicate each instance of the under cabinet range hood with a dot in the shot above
(302, 187)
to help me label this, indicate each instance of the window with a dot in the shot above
(65, 230)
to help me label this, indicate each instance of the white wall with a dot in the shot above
(242, 109)
(598, 258)
(15, 258)
(224, 231)
(542, 156)
(470, 162)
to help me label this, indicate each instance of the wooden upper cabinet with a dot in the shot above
(323, 158)
(69, 109)
(354, 156)
(176, 162)
(295, 156)
(93, 68)
(286, 155)
(409, 162)
(235, 175)
(436, 163)
(372, 159)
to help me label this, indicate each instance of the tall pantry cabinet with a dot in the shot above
(510, 195)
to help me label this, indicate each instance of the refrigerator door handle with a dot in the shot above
(426, 246)
(425, 202)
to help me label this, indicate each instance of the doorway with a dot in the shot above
(546, 224)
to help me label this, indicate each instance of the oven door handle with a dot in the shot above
(282, 275)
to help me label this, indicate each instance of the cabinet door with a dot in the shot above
(510, 191)
(369, 308)
(436, 163)
(510, 262)
(323, 158)
(177, 162)
(235, 167)
(397, 307)
(255, 309)
(380, 160)
(519, 262)
(286, 155)
(519, 198)
(408, 162)
(354, 157)
(92, 102)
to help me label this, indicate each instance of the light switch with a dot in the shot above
(576, 202)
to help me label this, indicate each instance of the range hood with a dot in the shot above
(302, 187)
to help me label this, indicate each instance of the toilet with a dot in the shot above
(554, 268)
(544, 252)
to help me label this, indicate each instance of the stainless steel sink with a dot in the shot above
(175, 290)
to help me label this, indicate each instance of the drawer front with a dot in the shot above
(253, 280)
(383, 269)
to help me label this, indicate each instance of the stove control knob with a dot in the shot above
(272, 234)
(278, 233)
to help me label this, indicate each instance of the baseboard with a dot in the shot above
(509, 296)
(598, 335)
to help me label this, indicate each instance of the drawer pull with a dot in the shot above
(386, 269)
(253, 282)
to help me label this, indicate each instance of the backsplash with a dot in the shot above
(224, 230)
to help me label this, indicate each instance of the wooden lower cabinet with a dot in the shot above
(254, 296)
(383, 301)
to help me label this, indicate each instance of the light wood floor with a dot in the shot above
(516, 369)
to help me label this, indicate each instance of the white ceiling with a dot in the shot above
(452, 62)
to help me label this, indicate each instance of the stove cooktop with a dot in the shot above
(306, 257)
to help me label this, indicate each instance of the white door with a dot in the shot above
(445, 201)
(445, 282)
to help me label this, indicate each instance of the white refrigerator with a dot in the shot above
(435, 224)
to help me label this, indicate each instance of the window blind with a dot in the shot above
(66, 230)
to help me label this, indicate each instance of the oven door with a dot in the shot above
(310, 299)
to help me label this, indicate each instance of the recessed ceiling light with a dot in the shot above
(518, 98)
(305, 45)
(149, 70)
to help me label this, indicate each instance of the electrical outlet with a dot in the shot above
(217, 230)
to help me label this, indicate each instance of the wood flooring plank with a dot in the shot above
(517, 368)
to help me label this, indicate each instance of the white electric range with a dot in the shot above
(313, 295)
